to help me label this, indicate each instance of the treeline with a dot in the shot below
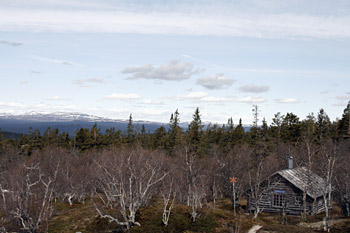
(121, 172)
(288, 128)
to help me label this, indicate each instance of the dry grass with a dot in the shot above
(221, 219)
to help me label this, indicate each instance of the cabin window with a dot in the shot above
(298, 201)
(278, 200)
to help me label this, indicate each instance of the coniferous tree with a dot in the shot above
(277, 125)
(291, 128)
(112, 137)
(309, 125)
(143, 137)
(83, 141)
(161, 138)
(36, 140)
(130, 137)
(323, 125)
(194, 132)
(175, 131)
(264, 130)
(229, 131)
(239, 132)
(344, 123)
(95, 136)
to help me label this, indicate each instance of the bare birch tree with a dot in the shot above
(196, 182)
(329, 156)
(29, 193)
(168, 193)
(127, 180)
(342, 179)
(256, 190)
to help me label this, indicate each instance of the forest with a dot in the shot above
(173, 180)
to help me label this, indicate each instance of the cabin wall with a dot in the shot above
(292, 197)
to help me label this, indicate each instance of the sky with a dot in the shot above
(113, 58)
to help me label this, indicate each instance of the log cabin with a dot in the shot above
(291, 191)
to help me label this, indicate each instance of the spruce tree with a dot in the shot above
(195, 132)
(174, 131)
(130, 132)
(239, 132)
(323, 125)
(344, 123)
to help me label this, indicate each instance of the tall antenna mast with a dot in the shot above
(75, 132)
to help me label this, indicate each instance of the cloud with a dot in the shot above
(60, 4)
(181, 21)
(11, 43)
(152, 102)
(216, 99)
(201, 61)
(122, 96)
(254, 88)
(345, 97)
(35, 72)
(202, 97)
(55, 107)
(83, 82)
(174, 70)
(11, 105)
(57, 98)
(152, 114)
(340, 104)
(193, 95)
(23, 82)
(216, 81)
(55, 61)
(287, 101)
(251, 99)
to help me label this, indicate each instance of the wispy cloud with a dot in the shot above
(340, 104)
(61, 4)
(11, 43)
(287, 101)
(216, 81)
(23, 82)
(202, 97)
(344, 97)
(153, 114)
(251, 100)
(55, 107)
(251, 88)
(84, 82)
(256, 24)
(152, 102)
(57, 98)
(55, 61)
(35, 72)
(11, 105)
(174, 70)
(192, 96)
(201, 61)
(122, 96)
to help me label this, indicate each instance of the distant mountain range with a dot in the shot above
(14, 125)
(67, 122)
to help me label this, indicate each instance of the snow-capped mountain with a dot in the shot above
(66, 121)
(55, 117)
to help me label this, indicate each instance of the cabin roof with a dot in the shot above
(305, 179)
